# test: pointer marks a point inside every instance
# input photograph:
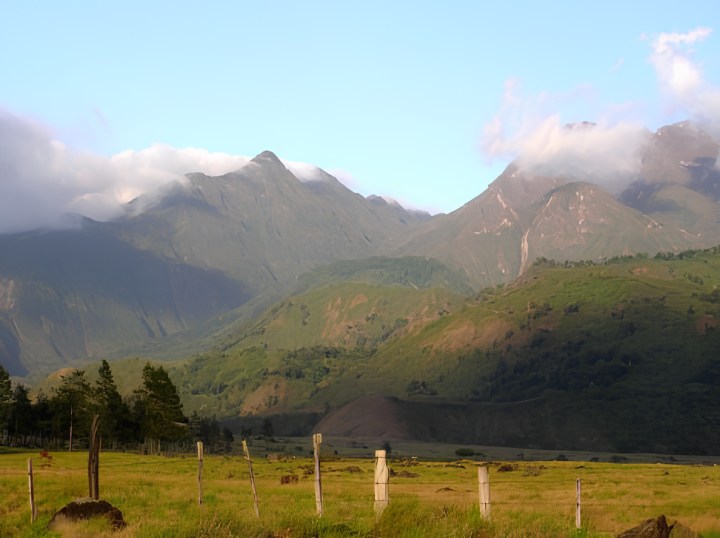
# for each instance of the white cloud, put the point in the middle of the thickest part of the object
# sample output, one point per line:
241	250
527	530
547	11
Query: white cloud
682	78
675	70
609	155
527	128
604	153
303	171
41	179
146	170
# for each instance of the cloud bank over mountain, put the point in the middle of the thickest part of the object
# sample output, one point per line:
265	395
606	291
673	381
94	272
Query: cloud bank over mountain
602	153
682	79
526	128
304	171
41	179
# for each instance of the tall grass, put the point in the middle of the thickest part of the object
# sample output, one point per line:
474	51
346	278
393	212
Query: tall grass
158	498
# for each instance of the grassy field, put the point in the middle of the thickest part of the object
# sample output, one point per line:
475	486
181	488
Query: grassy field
158	497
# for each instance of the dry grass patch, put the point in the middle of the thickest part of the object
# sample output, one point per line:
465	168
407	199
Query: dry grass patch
158	497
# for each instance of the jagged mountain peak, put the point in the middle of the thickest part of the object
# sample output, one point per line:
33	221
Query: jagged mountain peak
261	226
264	169
302	171
266	156
520	188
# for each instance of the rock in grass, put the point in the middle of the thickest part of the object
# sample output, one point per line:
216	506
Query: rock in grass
651	528
86	508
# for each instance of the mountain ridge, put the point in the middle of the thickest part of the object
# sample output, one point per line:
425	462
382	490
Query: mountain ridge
256	230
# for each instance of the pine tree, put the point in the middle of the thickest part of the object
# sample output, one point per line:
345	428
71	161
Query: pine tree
72	406
20	417
159	403
5	386
5	400
114	413
42	417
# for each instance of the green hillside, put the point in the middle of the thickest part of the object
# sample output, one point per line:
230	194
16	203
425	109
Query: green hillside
411	271
618	356
306	342
180	268
623	307
622	355
346	309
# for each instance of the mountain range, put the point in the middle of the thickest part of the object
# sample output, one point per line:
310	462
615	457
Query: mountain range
233	274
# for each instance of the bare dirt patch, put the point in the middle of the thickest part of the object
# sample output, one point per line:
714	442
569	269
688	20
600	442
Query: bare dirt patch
368	416
267	396
707	322
358	300
470	335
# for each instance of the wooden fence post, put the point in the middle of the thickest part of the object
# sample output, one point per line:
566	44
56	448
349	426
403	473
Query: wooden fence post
94	460
578	503
382	479
317	441
252	477
200	470
484	490
31	491
71	429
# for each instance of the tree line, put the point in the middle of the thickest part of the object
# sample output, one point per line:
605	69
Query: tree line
150	419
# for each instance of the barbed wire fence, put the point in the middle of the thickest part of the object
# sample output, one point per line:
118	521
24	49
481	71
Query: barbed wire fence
494	487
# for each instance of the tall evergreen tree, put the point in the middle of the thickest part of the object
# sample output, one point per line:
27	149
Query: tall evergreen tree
208	431
5	386
114	413
20	419
72	407
159	404
42	417
5	401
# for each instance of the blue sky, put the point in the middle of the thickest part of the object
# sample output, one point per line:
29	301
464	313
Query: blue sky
425	102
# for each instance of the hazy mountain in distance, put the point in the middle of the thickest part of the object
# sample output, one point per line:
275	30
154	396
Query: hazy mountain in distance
483	238
205	247
680	184
671	206
209	251
262	225
72	294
